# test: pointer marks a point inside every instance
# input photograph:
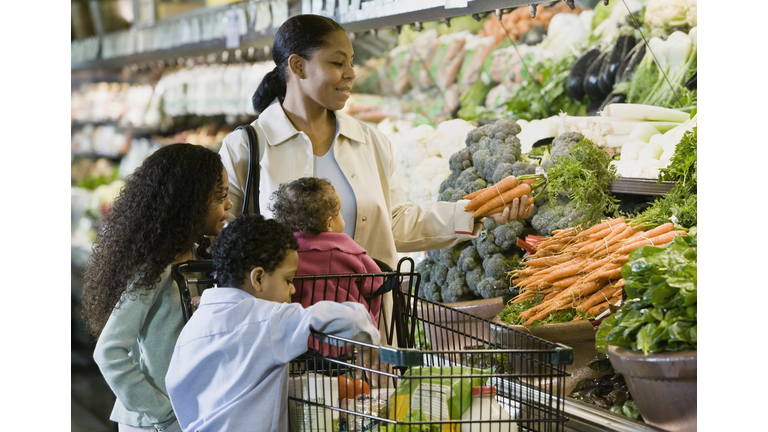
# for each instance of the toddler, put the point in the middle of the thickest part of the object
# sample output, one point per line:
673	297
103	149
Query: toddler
311	208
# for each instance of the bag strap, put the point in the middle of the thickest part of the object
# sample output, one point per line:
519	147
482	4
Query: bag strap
252	181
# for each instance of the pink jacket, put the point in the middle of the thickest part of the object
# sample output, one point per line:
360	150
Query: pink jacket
336	254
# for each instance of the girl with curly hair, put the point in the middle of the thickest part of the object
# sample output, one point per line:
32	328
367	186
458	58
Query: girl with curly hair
170	203
311	208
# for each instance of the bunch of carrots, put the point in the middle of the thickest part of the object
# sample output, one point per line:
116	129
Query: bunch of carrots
581	269
495	198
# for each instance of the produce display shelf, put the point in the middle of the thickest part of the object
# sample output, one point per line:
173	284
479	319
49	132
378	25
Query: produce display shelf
641	186
353	15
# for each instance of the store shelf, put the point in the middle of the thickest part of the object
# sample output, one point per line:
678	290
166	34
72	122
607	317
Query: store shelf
354	15
641	186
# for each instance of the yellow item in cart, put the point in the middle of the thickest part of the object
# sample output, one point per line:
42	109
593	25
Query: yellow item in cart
441	393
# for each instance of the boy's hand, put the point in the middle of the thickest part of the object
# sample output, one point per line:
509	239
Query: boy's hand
369	359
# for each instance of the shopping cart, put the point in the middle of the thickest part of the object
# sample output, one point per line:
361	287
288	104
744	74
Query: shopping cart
468	374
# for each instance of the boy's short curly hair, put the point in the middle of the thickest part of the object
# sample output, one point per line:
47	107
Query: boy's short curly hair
305	205
248	242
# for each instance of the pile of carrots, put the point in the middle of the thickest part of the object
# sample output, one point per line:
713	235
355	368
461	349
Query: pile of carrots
581	269
495	198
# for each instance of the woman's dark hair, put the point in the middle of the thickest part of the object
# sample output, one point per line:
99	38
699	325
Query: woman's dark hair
305	205
301	35
248	242
158	216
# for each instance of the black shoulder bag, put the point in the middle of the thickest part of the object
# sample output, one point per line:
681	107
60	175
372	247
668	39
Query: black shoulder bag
252	181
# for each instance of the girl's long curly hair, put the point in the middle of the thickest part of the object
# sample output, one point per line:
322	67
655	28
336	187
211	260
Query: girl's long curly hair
158	216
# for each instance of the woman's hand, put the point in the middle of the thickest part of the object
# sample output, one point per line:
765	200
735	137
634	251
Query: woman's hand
514	211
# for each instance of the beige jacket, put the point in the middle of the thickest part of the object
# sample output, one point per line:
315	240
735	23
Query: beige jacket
386	222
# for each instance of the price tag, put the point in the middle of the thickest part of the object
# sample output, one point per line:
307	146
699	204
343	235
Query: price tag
232	29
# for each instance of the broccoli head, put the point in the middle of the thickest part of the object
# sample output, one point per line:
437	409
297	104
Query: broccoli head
470	181
507	146
498	265
502	170
473	278
433	255
430	291
485	244
557	214
424	268
449	182
456	289
446	195
561	147
505	236
460	161
492	164
503	128
450	256
523	168
475	135
482	144
439	274
490	288
469	259
457	195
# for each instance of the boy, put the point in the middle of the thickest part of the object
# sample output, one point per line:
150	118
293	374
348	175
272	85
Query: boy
229	369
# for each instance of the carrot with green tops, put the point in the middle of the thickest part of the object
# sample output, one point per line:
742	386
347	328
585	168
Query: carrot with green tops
503	185
505	197
659	240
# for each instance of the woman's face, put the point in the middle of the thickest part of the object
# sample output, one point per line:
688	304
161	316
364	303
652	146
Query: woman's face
329	75
218	210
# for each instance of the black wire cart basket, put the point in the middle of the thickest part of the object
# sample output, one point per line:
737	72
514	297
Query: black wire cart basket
442	370
438	369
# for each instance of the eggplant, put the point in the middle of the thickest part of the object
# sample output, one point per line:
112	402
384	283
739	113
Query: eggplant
575	85
604	82
609	71
591	78
613	98
691	83
630	61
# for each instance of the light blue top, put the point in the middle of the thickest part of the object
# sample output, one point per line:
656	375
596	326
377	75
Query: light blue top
327	167
134	350
229	370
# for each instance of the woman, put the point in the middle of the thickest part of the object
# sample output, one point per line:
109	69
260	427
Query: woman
302	133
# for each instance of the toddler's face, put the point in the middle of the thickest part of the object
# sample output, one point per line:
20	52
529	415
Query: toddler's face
278	286
336	223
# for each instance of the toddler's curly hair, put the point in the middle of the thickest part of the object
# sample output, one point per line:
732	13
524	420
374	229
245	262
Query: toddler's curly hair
248	242
305	205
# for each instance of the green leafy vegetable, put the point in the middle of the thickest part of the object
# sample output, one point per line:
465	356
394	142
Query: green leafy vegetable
584	177
681	201
659	314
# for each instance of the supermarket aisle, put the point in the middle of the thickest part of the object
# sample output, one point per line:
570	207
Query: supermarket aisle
92	399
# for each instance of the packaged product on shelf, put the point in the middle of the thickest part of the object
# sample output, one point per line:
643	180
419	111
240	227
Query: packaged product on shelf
422	49
477	51
446	62
394	76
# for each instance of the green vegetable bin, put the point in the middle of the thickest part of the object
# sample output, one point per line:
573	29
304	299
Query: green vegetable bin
663	385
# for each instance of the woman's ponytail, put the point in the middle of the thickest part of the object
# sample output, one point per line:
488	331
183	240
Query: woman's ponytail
272	86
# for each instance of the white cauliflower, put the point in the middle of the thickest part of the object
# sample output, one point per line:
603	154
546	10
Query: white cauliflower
410	151
665	13
426	179
454	135
690	13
